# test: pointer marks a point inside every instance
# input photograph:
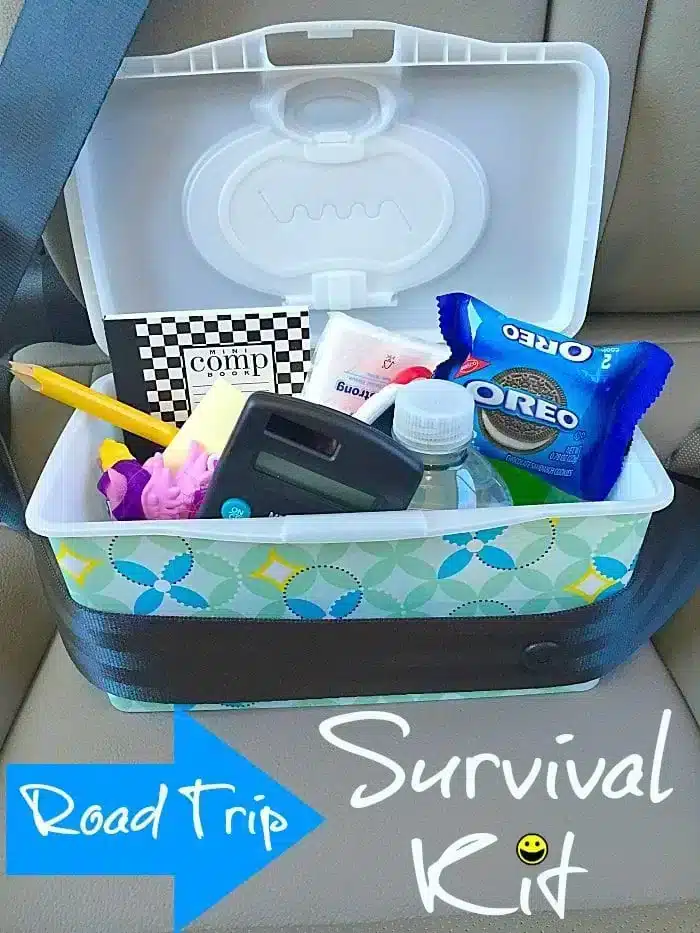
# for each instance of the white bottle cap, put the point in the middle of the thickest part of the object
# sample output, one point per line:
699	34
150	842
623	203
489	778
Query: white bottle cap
432	416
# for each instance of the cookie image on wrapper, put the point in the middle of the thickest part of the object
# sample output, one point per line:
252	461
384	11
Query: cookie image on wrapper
512	433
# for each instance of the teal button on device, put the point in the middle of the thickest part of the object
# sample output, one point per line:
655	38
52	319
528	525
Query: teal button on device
235	508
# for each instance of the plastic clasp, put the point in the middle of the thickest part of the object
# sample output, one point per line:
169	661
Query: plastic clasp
340	291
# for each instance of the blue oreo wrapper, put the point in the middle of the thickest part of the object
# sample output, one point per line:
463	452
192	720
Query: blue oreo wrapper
561	409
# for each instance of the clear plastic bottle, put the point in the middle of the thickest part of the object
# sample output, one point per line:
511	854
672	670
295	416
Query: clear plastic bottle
435	419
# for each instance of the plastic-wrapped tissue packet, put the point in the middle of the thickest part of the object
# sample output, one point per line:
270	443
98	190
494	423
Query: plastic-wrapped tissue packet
354	360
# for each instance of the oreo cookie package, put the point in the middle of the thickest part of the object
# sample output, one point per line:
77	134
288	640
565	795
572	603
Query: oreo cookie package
545	402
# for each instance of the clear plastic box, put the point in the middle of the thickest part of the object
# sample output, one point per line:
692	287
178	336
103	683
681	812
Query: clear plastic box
213	178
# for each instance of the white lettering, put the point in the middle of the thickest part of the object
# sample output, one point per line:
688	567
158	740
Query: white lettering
428	880
443	777
228	818
31	794
622	779
512	400
92	820
359	799
150	816
562	872
431	890
635	765
472	766
194	795
485	393
570	350
519	790
575	352
272	822
546	345
567	419
117	822
546	411
521	401
656	795
583	791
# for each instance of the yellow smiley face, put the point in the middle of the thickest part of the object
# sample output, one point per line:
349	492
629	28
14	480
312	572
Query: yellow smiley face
532	849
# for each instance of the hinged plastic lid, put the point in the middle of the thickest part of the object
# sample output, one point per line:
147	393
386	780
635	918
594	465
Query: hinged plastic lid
213	178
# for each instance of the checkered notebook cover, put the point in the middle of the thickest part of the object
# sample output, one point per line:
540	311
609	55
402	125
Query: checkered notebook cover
164	364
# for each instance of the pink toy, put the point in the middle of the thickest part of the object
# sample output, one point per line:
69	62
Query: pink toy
177	494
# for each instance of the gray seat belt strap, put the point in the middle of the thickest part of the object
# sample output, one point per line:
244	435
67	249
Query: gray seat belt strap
54	75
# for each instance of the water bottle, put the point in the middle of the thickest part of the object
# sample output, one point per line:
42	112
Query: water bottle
435	419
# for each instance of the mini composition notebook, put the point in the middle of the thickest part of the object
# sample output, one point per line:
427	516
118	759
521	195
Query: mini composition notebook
164	363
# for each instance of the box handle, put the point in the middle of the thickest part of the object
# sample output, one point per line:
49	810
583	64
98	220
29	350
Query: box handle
330	43
407	45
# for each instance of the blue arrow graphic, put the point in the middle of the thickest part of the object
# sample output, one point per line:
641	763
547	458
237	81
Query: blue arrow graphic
211	819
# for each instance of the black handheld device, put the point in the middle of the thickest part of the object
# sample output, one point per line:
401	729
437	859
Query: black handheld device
287	456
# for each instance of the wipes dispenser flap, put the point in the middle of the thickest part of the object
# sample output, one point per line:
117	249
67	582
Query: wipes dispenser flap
214	178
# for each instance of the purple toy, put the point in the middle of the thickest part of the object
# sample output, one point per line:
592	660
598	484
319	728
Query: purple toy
122	485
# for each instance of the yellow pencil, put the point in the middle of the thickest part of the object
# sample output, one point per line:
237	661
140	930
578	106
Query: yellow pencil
64	390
